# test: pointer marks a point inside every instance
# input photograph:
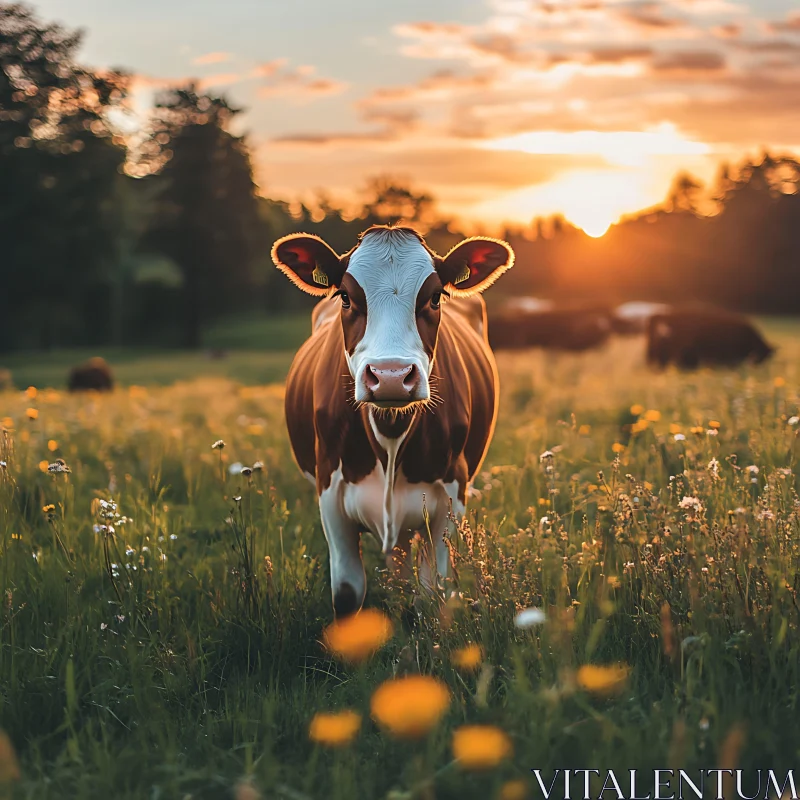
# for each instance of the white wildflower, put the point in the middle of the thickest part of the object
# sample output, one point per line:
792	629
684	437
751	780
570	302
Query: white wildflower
693	504
679	437
218	445
713	468
235	468
794	420
548	454
530	617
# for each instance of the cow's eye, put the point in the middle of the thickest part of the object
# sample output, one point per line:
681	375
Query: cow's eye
345	298
436	299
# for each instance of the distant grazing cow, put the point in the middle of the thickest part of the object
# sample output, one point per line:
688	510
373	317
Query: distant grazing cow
690	339
391	403
93	375
631	318
571	329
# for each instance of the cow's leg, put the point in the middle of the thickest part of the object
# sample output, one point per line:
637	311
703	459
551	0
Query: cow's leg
348	581
433	556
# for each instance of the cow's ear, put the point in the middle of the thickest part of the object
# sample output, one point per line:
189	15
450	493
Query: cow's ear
475	264
308	262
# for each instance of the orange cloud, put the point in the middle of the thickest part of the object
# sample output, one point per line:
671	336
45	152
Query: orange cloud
212	58
689	61
790	25
218	80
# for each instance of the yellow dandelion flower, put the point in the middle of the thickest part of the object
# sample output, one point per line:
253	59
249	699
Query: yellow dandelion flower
409	707
336	729
639	426
714	424
652	415
360	636
779	382
52	445
468	658
603	680
592	487
637	409
481	746
698	430
513	790
31	392
617	447
43	465
48	508
255	429
584	430
8	422
33	413
674	428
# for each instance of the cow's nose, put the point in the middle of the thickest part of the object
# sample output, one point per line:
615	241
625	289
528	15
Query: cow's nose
392	381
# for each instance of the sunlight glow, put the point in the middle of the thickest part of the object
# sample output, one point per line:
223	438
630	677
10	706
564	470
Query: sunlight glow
591	199
621	148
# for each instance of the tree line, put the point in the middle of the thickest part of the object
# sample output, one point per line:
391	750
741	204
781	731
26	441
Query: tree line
104	242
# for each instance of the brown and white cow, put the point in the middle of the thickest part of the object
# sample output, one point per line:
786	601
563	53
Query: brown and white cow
391	403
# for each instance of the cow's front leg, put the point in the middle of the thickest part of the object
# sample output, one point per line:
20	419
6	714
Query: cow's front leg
348	581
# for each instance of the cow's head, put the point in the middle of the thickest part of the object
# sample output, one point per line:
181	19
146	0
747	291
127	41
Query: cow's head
391	286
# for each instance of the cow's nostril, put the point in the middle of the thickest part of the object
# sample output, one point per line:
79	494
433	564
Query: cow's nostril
411	379
370	378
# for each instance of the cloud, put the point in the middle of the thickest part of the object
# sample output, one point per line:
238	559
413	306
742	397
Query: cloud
219	80
689	61
730	30
299	84
216	57
650	15
790	25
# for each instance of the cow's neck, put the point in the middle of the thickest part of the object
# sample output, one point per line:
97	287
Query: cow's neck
390	431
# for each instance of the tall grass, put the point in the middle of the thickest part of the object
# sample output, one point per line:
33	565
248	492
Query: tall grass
179	654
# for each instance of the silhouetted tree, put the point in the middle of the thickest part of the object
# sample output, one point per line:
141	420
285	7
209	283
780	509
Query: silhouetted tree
208	221
389	201
59	163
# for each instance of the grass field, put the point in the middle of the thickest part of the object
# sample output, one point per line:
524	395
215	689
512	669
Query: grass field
181	656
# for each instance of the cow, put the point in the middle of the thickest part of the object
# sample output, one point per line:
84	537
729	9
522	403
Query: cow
692	338
631	318
391	403
93	375
571	329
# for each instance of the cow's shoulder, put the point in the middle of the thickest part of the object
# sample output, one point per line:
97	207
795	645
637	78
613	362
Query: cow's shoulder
325	311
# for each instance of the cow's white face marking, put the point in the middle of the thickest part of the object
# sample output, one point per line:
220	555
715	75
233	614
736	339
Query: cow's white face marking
390	266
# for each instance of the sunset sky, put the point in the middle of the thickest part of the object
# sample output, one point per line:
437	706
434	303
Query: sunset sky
501	108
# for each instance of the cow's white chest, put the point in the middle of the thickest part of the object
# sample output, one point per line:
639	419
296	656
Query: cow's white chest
364	504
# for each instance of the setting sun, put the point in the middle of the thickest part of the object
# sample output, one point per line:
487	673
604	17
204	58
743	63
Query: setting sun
591	199
638	175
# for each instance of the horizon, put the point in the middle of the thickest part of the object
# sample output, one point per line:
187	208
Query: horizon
504	110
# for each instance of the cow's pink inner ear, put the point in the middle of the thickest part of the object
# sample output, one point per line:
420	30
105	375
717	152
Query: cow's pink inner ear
300	256
475	264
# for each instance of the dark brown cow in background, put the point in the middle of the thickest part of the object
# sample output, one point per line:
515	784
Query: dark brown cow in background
571	329
693	338
93	375
391	403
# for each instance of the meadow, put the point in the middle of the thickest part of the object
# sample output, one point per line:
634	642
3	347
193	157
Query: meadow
653	519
